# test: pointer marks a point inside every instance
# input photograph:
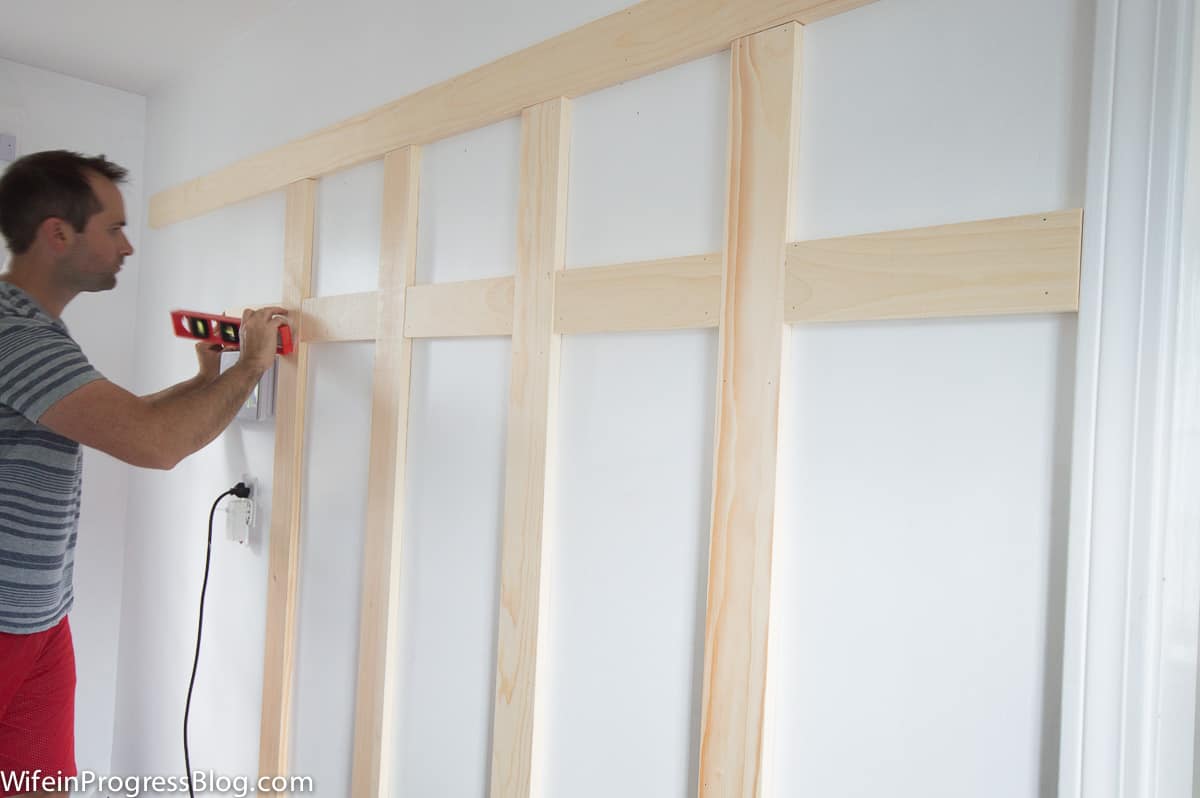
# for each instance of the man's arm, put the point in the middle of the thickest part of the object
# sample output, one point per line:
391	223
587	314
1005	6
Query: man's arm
178	389
160	433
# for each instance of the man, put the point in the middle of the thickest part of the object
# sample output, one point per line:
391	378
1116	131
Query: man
63	219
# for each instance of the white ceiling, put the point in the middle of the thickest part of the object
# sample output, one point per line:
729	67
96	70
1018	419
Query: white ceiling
135	45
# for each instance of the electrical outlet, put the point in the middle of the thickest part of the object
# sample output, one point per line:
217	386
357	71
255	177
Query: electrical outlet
240	520
240	515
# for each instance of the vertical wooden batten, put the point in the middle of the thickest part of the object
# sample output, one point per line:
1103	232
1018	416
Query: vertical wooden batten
292	389
377	649
541	244
763	129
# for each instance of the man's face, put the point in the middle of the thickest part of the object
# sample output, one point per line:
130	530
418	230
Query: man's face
96	255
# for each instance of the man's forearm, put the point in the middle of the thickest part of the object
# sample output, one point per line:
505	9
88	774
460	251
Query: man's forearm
195	417
178	389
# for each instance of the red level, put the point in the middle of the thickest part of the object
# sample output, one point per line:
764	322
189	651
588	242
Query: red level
221	330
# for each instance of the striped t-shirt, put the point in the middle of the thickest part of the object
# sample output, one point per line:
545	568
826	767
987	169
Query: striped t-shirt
39	470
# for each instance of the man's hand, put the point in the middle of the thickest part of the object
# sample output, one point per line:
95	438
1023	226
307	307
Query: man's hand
260	336
209	355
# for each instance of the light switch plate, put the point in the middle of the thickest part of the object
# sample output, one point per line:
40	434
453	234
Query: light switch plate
8	148
260	405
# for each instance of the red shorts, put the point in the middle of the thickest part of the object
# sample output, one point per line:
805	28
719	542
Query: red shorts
37	704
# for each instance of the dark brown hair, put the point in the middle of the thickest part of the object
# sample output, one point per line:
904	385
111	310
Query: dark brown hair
51	184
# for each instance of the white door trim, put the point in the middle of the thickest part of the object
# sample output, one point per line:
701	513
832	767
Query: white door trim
1133	370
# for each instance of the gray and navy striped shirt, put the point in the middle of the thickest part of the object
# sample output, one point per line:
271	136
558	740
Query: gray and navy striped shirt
39	470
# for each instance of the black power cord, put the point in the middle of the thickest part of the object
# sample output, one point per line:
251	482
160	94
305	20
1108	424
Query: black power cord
242	491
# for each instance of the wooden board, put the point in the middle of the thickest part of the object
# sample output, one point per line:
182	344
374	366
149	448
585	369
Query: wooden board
378	646
1023	264
541	250
672	294
643	39
455	310
343	317
284	543
763	129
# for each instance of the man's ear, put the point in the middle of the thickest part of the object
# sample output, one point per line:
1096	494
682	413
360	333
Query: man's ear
56	234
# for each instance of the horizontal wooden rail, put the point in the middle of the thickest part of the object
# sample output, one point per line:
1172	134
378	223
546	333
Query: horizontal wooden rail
638	41
677	293
455	310
344	317
1025	264
1020	264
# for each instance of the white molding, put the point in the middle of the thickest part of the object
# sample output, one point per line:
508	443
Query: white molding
1125	403
1179	656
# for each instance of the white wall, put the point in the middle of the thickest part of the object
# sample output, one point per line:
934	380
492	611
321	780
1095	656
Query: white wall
920	560
50	111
